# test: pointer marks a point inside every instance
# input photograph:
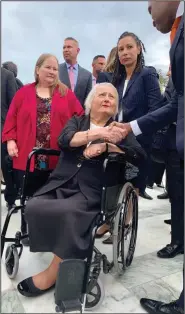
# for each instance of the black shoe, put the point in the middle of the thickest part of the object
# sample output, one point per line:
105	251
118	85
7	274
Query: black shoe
108	240
11	206
145	195
167	221
163	196
156	307
28	289
149	187
170	251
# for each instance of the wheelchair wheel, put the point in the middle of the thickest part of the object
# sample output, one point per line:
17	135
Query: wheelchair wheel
125	228
95	297
11	261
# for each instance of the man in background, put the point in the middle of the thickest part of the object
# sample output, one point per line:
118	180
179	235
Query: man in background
8	90
9	65
78	79
98	65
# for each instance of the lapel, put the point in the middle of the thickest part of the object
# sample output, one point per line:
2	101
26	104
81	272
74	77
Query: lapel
120	89
32	105
79	78
64	77
131	81
176	39
86	123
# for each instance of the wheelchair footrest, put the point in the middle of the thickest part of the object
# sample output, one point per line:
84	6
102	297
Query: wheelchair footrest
69	286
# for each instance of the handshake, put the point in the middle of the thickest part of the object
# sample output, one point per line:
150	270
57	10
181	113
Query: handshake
116	132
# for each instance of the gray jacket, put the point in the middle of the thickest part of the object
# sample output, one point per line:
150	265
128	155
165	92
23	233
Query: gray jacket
83	84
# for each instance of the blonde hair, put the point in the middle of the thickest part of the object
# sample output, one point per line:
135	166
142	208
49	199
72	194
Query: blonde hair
110	65
92	94
62	88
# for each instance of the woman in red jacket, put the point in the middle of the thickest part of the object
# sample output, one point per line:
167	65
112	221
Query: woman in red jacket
36	117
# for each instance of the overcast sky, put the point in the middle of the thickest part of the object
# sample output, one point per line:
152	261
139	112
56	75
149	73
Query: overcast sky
32	28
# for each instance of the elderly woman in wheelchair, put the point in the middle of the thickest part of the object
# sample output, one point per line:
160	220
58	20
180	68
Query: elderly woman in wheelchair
62	214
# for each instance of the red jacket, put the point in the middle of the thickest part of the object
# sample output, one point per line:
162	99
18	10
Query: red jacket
20	123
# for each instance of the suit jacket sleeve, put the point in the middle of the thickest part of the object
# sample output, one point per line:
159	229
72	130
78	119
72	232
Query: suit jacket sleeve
74	104
89	86
152	89
10	126
134	153
102	78
68	132
161	117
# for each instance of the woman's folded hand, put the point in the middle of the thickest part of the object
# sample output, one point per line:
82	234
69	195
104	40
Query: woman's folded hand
94	150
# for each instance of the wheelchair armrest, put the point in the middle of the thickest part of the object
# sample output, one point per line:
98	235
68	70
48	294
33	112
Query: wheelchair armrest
114	157
41	151
45	151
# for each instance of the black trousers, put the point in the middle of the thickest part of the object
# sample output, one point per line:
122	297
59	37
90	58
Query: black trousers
175	179
155	173
11	190
144	169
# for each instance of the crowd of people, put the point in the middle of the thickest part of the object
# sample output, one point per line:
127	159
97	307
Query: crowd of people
119	107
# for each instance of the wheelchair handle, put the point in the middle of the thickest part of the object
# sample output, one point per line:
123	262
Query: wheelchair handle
40	151
114	157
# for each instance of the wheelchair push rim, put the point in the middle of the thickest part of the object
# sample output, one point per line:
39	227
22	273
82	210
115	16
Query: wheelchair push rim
121	259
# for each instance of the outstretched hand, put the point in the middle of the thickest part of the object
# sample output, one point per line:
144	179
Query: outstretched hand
125	127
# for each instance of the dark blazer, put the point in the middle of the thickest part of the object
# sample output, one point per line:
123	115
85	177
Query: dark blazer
173	111
8	90
83	84
142	95
90	172
19	83
21	119
169	90
104	77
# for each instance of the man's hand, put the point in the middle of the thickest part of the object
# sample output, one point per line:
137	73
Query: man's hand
126	128
94	150
112	135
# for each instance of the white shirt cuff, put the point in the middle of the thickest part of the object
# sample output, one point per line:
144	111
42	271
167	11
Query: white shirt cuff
135	128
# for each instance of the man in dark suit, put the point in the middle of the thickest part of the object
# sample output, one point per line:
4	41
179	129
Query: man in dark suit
72	74
98	66
8	90
163	15
9	65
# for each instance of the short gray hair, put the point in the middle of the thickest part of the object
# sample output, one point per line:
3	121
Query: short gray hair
91	95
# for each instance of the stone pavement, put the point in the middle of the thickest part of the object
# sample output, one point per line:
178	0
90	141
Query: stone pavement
148	275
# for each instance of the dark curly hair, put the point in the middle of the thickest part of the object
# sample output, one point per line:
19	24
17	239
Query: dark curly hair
120	71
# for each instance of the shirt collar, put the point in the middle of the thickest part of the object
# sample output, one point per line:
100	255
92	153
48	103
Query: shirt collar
75	66
180	10
93	78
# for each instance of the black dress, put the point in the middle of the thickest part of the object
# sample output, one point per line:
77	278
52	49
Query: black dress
62	213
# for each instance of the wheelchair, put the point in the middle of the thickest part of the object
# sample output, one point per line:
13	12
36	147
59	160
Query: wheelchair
78	285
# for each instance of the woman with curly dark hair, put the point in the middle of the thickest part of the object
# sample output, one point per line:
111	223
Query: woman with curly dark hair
139	93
